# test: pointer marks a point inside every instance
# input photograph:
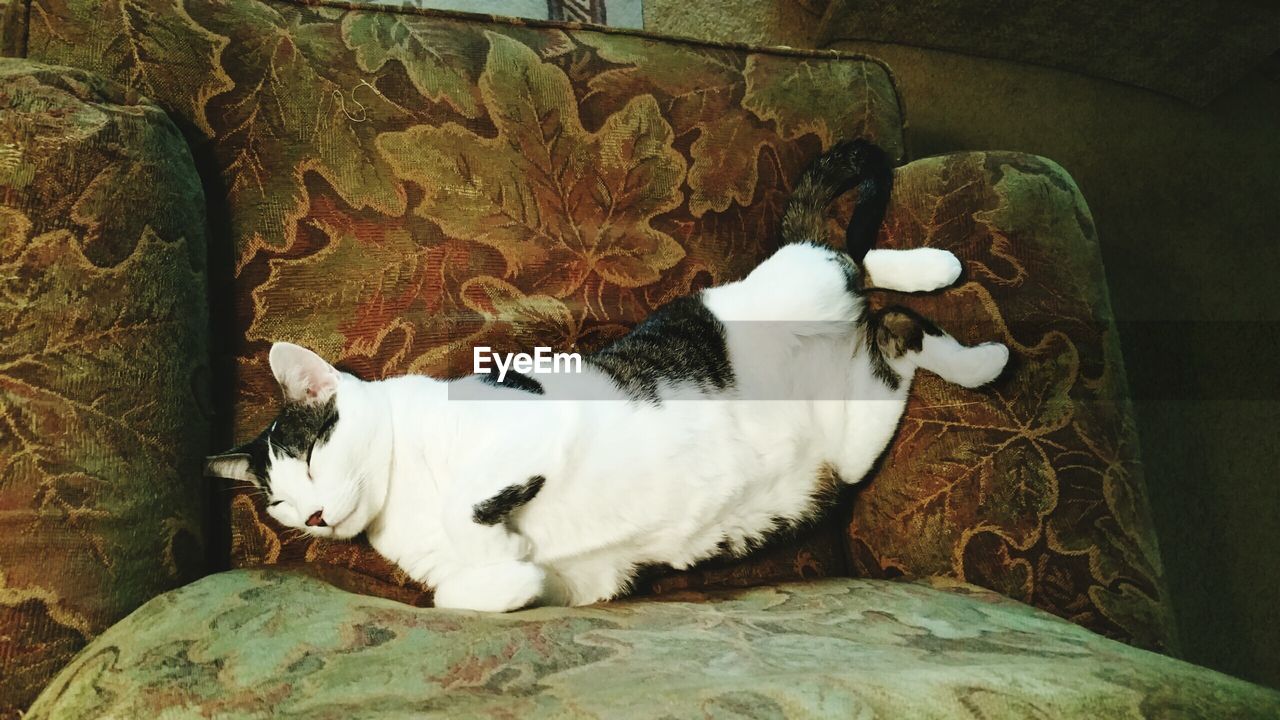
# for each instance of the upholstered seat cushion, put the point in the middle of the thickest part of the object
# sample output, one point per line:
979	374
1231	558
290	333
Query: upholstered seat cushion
249	643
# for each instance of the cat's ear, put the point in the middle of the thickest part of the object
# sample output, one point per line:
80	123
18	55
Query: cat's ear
232	464
303	375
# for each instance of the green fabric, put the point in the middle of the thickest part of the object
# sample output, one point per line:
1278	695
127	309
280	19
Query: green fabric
250	643
103	366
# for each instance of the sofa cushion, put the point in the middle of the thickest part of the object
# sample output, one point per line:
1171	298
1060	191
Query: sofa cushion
103	365
399	185
1032	486
256	643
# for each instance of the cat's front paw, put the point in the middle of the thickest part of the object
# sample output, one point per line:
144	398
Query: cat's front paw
500	587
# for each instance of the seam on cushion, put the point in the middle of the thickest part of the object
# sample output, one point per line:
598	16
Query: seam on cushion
903	124
825	41
589	27
26	27
17	12
1172	640
897	93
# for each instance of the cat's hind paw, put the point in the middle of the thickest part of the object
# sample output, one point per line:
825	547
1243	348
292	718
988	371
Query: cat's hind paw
915	270
978	365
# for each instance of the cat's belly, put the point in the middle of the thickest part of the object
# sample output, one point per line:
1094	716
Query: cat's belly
678	485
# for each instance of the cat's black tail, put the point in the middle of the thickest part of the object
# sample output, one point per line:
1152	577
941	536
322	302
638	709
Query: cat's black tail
848	164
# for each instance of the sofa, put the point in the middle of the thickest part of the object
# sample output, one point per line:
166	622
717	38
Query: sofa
184	183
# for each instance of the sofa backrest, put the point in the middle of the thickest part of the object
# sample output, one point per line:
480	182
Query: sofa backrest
391	187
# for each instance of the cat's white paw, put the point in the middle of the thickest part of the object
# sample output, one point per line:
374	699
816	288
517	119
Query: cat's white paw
914	270
500	587
983	363
949	268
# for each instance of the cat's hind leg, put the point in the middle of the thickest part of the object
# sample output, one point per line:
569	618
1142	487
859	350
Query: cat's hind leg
902	341
914	270
586	580
899	342
798	283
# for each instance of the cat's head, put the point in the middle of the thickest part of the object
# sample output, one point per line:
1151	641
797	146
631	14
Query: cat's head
321	463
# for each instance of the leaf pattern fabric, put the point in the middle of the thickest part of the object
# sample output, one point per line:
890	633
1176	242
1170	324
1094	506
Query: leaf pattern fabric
103	365
261	643
1031	487
398	186
526	191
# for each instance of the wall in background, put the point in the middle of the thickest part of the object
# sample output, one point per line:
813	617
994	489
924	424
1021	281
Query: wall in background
1187	204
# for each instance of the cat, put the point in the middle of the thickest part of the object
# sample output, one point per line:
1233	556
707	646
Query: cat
708	427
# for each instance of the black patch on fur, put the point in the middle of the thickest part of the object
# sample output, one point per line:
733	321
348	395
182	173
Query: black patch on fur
681	341
848	164
822	496
892	333
260	459
323	434
295	432
299	426
499	507
852	273
513	380
828	496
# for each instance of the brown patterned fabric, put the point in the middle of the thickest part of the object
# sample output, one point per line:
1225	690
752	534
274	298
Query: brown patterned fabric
103	365
400	185
1032	487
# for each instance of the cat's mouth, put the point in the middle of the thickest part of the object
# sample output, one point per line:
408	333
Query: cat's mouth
332	528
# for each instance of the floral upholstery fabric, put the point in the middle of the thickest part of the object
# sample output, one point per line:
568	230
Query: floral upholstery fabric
103	365
1033	486
261	643
399	186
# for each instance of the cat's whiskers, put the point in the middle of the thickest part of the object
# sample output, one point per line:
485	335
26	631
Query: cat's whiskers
291	534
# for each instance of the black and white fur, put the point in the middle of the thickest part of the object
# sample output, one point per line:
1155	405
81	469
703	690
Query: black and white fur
721	414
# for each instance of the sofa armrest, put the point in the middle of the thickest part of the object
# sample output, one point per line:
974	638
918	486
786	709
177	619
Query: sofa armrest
103	365
1032	486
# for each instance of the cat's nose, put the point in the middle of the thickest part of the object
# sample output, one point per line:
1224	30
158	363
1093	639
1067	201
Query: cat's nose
317	519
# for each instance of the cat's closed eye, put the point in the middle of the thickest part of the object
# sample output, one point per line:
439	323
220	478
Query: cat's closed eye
322	433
